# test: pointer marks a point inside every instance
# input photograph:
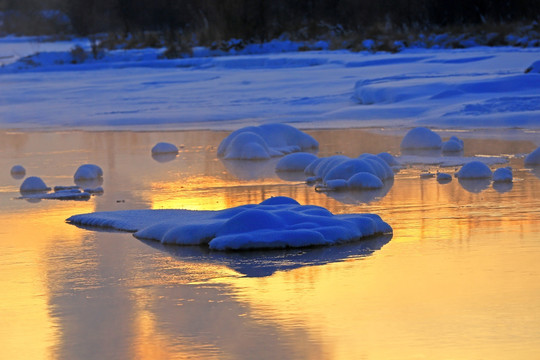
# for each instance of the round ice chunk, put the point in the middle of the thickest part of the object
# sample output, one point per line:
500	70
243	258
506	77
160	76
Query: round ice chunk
474	170
421	138
364	180
88	172
164	148
503	175
533	159
295	162
18	172
33	184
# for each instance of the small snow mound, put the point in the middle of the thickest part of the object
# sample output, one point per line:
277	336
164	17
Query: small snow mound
503	175
88	172
33	184
364	180
453	145
534	68
18	169
164	148
533	159
444	178
265	141
18	172
421	138
295	162
474	170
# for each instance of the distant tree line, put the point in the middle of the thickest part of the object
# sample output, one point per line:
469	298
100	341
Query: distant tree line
254	20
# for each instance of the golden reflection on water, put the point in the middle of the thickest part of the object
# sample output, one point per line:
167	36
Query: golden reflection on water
28	330
459	279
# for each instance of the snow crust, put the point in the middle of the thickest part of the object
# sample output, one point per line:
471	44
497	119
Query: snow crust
460	88
275	223
265	141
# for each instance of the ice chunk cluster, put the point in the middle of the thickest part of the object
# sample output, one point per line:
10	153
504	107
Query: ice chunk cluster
421	138
340	172
265	141
275	223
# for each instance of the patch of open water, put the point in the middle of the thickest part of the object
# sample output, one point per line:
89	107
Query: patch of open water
458	279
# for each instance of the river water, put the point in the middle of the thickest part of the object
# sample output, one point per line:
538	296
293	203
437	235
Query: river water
459	278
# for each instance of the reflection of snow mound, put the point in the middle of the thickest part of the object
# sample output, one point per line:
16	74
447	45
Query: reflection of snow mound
265	141
87	172
276	223
533	159
164	148
474	185
503	175
474	170
421	138
33	184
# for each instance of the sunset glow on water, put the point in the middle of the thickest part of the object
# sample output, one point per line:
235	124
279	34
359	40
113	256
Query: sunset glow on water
458	279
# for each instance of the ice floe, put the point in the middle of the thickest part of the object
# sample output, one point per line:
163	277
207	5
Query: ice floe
265	141
275	223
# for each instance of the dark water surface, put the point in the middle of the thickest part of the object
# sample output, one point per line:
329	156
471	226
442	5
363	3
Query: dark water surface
459	279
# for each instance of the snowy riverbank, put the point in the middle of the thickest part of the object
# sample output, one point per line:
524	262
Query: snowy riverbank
479	87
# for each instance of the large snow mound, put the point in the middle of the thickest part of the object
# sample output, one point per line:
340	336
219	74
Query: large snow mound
265	141
533	159
33	184
474	170
275	223
88	172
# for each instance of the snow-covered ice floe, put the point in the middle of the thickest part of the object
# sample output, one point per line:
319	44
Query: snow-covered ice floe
275	223
265	141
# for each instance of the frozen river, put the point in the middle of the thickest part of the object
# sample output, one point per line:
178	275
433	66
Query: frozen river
458	279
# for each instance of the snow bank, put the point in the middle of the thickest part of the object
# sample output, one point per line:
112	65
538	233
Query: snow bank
275	223
33	184
474	170
164	148
533	159
265	141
